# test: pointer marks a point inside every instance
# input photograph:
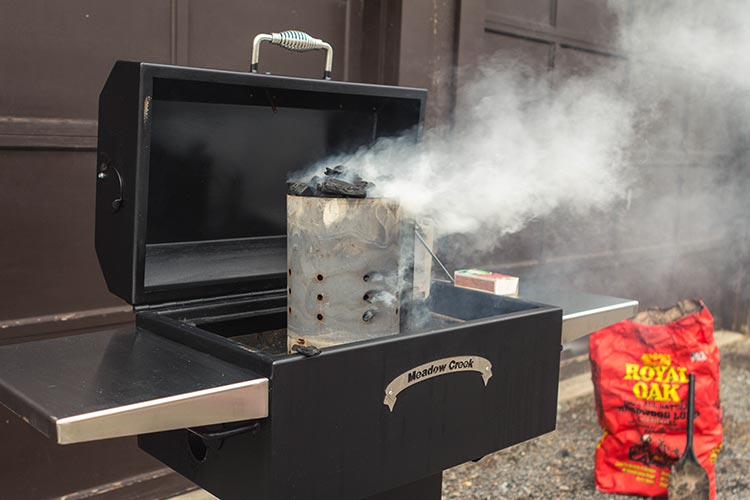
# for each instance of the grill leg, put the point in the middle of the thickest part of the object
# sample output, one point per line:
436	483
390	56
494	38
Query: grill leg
429	488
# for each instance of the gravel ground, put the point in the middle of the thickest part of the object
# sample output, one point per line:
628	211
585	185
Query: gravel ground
560	465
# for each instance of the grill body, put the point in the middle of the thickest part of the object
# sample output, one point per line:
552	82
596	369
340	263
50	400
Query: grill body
329	433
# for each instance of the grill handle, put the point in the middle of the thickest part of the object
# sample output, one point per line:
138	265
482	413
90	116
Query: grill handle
296	41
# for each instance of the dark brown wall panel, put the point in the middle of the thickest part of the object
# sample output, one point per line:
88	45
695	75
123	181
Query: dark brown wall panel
33	469
664	121
380	41
588	20
535	11
571	233
708	207
530	53
520	247
427	56
648	216
580	63
55	56
715	126
48	261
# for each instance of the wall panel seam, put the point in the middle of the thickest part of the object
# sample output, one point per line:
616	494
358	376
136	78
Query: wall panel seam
505	25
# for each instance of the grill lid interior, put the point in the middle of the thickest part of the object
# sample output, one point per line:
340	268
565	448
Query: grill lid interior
200	160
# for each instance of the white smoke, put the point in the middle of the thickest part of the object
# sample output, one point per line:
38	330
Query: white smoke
526	147
699	38
522	148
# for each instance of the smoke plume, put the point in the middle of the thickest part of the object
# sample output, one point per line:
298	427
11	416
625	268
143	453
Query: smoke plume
526	145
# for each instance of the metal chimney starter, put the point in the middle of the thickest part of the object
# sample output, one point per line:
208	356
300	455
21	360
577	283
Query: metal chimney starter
344	278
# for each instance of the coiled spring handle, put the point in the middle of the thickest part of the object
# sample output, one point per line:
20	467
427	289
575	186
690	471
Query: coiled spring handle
296	41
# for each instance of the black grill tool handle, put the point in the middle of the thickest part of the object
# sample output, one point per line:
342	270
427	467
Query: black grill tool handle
688	480
296	41
691	417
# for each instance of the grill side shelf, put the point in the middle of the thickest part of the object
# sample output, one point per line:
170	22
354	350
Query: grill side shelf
583	313
123	382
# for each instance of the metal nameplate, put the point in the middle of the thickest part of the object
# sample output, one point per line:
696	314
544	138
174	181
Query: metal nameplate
444	366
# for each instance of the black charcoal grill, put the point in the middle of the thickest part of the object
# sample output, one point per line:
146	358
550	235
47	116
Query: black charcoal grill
191	230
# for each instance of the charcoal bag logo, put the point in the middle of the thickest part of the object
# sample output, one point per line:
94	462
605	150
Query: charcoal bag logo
656	378
435	368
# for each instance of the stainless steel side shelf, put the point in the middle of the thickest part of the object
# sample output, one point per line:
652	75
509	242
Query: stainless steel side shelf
121	383
583	313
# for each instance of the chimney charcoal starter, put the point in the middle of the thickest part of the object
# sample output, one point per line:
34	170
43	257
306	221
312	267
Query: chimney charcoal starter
344	280
191	229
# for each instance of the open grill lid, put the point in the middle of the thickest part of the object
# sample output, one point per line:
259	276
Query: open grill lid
192	169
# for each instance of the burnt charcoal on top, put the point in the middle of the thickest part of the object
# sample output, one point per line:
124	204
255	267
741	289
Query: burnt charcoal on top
336	182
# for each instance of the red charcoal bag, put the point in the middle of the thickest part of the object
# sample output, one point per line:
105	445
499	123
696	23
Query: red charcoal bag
640	374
